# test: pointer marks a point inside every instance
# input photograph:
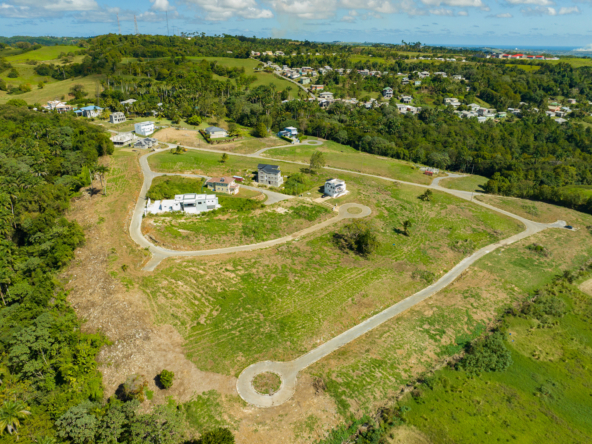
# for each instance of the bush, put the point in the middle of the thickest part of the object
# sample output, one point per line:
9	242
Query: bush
487	355
170	187
217	436
194	120
166	378
358	237
297	184
260	130
13	74
17	102
133	388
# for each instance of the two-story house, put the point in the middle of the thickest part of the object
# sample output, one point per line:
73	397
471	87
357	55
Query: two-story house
225	185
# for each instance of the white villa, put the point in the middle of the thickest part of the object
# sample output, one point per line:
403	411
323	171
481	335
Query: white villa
269	175
144	128
289	131
117	117
335	188
188	203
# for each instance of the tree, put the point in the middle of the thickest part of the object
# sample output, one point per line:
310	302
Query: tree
78	424
358	237
166	377
77	91
178	150
133	388
260	130
217	436
406	225
232	128
317	161
427	196
224	158
11	414
194	120
40	85
102	170
163	426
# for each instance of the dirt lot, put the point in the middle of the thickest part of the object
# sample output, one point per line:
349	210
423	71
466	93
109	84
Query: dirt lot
194	139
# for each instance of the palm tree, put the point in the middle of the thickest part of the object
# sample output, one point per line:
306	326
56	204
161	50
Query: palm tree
102	170
10	415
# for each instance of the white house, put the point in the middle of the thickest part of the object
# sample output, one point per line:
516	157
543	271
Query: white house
387	92
128	102
58	106
289	131
144	128
335	187
89	111
215	133
269	175
188	203
122	139
117	117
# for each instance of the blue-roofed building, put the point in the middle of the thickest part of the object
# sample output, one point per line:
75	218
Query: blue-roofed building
89	111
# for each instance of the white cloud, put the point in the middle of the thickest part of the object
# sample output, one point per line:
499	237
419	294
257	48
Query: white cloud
306	9
457	3
503	15
160	5
44	8
442	11
531	2
546	10
585	48
225	9
463	13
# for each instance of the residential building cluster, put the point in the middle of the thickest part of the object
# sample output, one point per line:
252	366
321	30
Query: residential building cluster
188	203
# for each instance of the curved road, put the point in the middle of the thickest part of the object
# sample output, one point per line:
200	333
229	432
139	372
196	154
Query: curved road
160	253
288	371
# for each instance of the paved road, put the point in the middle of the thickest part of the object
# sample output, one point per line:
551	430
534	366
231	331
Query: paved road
160	253
288	371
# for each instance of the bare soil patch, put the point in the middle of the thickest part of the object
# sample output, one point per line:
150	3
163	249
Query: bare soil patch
407	435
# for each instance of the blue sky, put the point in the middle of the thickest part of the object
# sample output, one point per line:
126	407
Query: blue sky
479	22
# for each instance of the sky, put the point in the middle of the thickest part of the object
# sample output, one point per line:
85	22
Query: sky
446	22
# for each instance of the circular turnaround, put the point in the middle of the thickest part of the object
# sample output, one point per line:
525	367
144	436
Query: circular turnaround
267	383
311	142
252	375
354	211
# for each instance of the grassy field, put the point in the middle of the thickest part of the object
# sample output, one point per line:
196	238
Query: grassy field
280	303
342	156
263	78
240	221
42	54
467	183
51	91
544	396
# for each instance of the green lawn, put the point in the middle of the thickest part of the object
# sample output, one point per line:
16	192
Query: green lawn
544	396
51	91
42	54
346	157
467	183
263	78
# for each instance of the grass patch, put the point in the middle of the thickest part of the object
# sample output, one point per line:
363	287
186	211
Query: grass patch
164	187
51	91
43	54
544	396
267	383
467	183
346	157
206	412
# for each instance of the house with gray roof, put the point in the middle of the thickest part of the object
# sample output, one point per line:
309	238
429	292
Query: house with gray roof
214	132
269	175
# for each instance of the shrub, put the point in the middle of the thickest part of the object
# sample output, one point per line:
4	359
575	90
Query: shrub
358	237
194	120
427	196
133	388
465	246
13	74
217	436
297	184
166	378
260	130
487	355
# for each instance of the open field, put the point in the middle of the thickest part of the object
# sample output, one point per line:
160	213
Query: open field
544	396
42	54
192	138
263	78
467	183
272	318
346	157
53	90
236	223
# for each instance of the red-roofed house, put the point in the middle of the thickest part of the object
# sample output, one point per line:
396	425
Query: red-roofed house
225	185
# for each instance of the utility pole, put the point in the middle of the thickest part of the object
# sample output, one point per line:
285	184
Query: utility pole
136	24
118	25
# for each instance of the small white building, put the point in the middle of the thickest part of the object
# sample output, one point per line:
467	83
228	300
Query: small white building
335	188
215	133
144	128
289	132
188	203
122	139
117	117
